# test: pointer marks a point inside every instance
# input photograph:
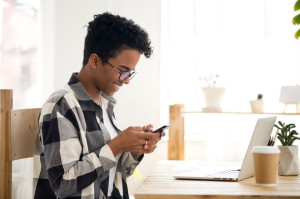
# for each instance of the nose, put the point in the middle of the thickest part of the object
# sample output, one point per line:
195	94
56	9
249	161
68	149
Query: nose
126	81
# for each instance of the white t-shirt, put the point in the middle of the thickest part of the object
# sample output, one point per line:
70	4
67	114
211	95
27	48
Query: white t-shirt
113	133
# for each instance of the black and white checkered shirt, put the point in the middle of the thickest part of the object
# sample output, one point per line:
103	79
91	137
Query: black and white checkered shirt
72	158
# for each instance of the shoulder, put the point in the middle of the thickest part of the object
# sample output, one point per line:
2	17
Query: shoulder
60	101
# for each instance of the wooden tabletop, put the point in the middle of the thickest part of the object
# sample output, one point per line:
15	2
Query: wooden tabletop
161	184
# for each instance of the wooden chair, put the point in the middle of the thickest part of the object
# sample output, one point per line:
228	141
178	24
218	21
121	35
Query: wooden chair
18	130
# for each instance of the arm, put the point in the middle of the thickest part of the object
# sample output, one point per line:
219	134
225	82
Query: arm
69	166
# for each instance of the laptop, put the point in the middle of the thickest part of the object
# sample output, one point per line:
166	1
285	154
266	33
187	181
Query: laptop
260	137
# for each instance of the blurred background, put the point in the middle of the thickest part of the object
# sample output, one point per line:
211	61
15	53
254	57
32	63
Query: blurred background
249	45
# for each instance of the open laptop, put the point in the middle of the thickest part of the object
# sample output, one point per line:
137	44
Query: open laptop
260	137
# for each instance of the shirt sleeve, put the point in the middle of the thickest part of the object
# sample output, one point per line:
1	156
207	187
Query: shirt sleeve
70	169
132	164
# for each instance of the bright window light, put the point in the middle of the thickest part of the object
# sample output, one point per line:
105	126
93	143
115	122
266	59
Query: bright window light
250	44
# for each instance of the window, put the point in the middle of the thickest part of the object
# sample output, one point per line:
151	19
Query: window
19	33
250	44
18	71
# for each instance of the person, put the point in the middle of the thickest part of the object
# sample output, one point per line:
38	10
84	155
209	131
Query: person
79	150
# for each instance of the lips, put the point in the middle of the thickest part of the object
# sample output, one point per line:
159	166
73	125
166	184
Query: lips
117	87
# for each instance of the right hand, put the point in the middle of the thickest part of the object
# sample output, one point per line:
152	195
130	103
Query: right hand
131	139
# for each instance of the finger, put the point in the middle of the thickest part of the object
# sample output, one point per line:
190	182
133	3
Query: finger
147	150
135	128
151	149
146	146
145	128
142	142
148	128
151	142
147	136
162	134
157	137
145	142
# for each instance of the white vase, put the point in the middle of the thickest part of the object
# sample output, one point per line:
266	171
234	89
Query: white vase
213	97
257	106
288	160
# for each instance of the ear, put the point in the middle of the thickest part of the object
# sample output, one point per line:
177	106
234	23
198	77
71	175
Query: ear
93	60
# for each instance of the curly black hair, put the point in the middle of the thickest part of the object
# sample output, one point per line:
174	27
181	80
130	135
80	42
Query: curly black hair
108	34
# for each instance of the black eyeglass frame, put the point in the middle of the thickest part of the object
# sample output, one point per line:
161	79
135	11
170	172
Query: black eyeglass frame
127	74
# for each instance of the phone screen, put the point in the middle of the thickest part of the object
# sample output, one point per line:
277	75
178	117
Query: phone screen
165	127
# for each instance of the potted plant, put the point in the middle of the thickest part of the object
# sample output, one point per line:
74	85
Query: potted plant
288	157
257	106
213	95
296	19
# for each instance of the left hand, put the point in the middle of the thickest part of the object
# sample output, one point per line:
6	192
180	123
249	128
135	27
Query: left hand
150	145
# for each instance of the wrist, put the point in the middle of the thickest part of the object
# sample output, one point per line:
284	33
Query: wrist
115	147
136	155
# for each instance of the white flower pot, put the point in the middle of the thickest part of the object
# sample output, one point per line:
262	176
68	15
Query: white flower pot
288	160
257	106
213	98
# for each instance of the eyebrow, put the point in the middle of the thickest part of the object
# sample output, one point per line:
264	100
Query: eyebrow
127	68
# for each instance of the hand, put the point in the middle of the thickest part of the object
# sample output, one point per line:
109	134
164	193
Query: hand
151	145
132	139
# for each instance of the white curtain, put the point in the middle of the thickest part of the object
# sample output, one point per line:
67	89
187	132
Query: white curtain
249	44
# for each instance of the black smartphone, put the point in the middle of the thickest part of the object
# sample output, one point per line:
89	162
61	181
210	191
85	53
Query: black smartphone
165	127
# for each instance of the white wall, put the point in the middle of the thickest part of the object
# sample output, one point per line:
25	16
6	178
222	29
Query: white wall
62	41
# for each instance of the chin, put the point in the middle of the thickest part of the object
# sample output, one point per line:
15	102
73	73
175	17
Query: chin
109	93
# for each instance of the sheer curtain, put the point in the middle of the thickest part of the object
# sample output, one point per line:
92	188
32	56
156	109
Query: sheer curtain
250	44
18	71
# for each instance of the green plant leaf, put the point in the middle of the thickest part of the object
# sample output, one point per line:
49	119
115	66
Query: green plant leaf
290	143
297	34
281	140
291	135
280	136
297	5
291	126
277	126
296	19
287	135
283	132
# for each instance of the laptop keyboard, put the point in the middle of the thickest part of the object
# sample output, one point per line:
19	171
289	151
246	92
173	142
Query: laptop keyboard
226	174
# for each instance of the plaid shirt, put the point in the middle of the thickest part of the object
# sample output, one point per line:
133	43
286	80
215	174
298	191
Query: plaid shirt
71	157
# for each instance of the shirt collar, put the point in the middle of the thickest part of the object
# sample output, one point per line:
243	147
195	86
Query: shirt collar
82	94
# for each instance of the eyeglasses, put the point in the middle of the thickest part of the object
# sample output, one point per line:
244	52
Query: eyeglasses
123	74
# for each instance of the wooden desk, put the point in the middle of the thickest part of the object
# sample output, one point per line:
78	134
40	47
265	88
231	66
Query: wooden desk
161	184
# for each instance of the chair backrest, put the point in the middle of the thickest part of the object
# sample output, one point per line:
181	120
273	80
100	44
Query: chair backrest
18	130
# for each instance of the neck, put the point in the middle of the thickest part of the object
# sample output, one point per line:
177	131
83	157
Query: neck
86	80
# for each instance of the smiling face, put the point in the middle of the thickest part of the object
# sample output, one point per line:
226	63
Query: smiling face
106	78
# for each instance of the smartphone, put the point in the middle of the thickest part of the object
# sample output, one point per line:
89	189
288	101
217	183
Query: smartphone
165	127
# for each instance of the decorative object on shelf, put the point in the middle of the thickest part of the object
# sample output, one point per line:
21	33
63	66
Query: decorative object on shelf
213	95
288	157
257	106
290	95
296	19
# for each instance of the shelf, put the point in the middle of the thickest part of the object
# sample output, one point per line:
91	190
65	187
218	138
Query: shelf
187	112
177	134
